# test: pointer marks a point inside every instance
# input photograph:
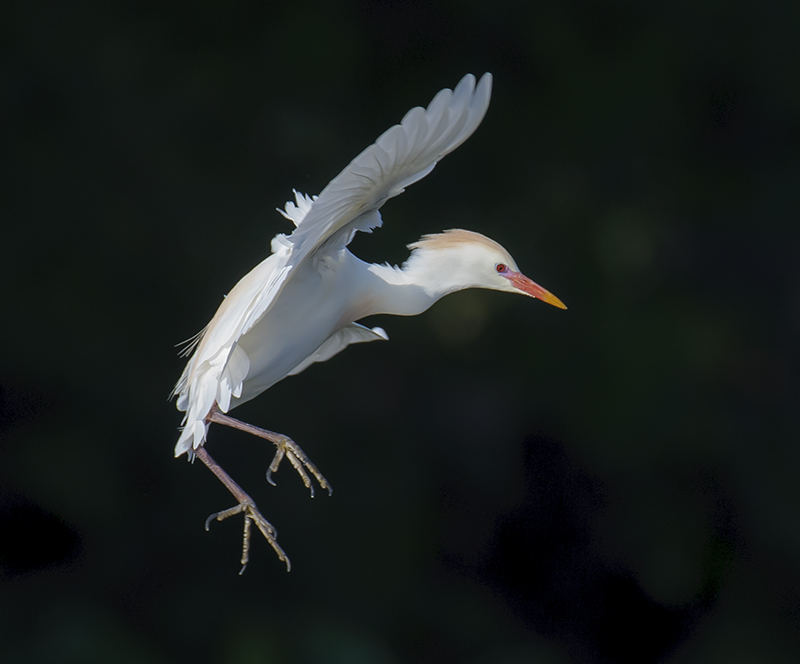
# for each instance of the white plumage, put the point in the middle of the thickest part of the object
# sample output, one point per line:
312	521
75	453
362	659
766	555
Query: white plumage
299	306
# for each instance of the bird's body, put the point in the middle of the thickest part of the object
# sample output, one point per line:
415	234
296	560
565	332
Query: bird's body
301	304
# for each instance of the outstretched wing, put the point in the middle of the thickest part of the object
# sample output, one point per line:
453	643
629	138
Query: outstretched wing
402	155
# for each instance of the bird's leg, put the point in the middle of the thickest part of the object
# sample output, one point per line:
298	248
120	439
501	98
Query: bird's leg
246	505
286	447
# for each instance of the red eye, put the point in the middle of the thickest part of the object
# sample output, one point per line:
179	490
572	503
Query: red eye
500	267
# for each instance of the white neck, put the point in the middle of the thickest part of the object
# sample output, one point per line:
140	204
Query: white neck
412	289
393	291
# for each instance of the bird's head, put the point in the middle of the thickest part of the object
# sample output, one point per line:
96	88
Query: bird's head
457	259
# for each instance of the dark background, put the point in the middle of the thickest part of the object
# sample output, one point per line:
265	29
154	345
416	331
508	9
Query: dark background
513	483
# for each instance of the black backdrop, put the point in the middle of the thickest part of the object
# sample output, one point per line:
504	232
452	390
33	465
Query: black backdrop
513	483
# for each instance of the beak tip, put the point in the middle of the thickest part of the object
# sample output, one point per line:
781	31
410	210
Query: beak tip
552	299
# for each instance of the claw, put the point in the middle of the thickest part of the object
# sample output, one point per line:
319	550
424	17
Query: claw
252	515
300	462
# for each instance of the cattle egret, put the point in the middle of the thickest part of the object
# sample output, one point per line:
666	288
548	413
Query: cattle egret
299	306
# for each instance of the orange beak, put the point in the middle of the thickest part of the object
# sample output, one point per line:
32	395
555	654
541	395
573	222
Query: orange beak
521	282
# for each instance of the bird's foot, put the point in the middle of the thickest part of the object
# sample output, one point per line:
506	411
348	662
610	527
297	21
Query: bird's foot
292	451
252	515
286	448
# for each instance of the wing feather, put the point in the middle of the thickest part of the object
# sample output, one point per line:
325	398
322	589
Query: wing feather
402	155
349	334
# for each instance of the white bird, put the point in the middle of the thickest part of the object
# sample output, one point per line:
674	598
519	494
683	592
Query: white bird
299	306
